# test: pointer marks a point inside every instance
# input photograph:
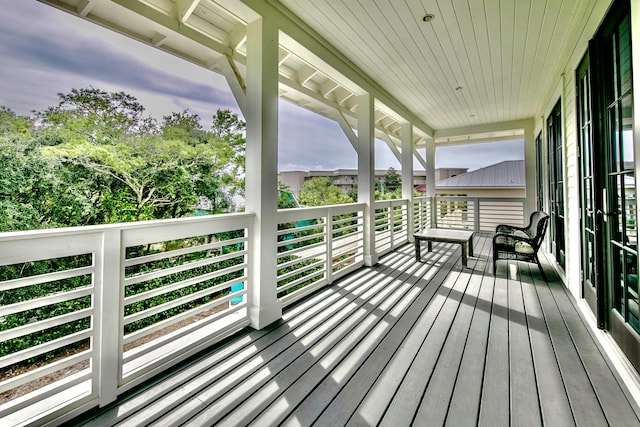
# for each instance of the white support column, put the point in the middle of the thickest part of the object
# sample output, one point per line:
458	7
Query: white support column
407	173
430	169
262	170
430	178
108	320
530	170
366	175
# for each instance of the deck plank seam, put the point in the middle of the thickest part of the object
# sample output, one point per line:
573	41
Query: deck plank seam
375	351
474	281
563	293
326	333
485	274
527	316
268	334
537	286
458	295
255	390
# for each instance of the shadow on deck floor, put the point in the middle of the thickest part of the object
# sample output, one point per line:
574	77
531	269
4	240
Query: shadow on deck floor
401	343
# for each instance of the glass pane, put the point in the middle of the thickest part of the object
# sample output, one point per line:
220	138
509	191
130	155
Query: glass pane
618	208
588	203
627	133
624	58
615	94
631	283
618	283
590	273
614	119
631	223
586	152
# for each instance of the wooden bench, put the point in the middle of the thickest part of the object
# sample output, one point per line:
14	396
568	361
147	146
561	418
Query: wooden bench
464	237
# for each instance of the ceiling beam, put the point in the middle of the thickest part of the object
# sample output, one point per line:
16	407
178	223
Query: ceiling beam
84	7
236	37
184	9
172	24
236	82
486	128
321	50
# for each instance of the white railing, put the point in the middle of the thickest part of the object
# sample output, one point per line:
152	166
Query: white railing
317	245
471	213
97	310
101	309
421	213
391	219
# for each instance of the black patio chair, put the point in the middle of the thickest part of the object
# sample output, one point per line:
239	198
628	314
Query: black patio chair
521	243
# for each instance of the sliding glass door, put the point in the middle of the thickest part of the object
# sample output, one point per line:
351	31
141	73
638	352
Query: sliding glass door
556	184
608	194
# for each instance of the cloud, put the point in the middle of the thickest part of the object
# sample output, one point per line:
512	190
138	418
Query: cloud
476	156
308	140
64	52
61	52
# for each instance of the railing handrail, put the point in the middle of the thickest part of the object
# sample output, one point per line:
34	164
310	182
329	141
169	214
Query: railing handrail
88	229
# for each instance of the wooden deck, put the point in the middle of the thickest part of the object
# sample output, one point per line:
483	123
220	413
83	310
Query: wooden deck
402	343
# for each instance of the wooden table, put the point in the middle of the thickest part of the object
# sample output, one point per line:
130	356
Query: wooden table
464	237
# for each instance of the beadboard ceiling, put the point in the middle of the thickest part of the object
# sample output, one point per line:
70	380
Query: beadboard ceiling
476	63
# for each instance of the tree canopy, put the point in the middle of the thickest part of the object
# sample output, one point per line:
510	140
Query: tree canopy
392	180
96	158
319	191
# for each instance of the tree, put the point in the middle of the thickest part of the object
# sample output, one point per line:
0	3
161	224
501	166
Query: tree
320	192
392	180
286	200
143	172
96	158
99	114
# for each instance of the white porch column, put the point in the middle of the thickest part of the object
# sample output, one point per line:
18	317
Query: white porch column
262	170
366	175
407	173
530	170
430	170
430	178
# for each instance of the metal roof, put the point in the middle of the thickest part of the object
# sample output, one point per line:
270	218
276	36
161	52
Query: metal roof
507	174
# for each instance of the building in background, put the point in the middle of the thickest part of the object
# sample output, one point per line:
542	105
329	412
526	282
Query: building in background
347	179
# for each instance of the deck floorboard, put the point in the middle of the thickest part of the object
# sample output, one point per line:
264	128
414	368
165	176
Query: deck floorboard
401	343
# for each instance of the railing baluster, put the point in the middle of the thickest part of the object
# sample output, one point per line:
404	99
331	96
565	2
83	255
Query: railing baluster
109	316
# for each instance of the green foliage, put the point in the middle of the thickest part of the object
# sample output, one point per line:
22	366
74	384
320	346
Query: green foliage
320	192
392	180
286	200
96	158
300	275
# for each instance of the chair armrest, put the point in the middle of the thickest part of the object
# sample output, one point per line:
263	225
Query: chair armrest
508	229
510	239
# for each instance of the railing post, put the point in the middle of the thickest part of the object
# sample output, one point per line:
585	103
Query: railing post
392	224
434	213
329	239
109	314
476	216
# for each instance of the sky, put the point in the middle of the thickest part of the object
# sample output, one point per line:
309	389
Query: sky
63	52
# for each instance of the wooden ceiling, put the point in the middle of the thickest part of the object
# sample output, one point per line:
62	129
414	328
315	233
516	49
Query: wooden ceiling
476	63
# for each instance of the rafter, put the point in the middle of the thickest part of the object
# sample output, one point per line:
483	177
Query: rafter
184	9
